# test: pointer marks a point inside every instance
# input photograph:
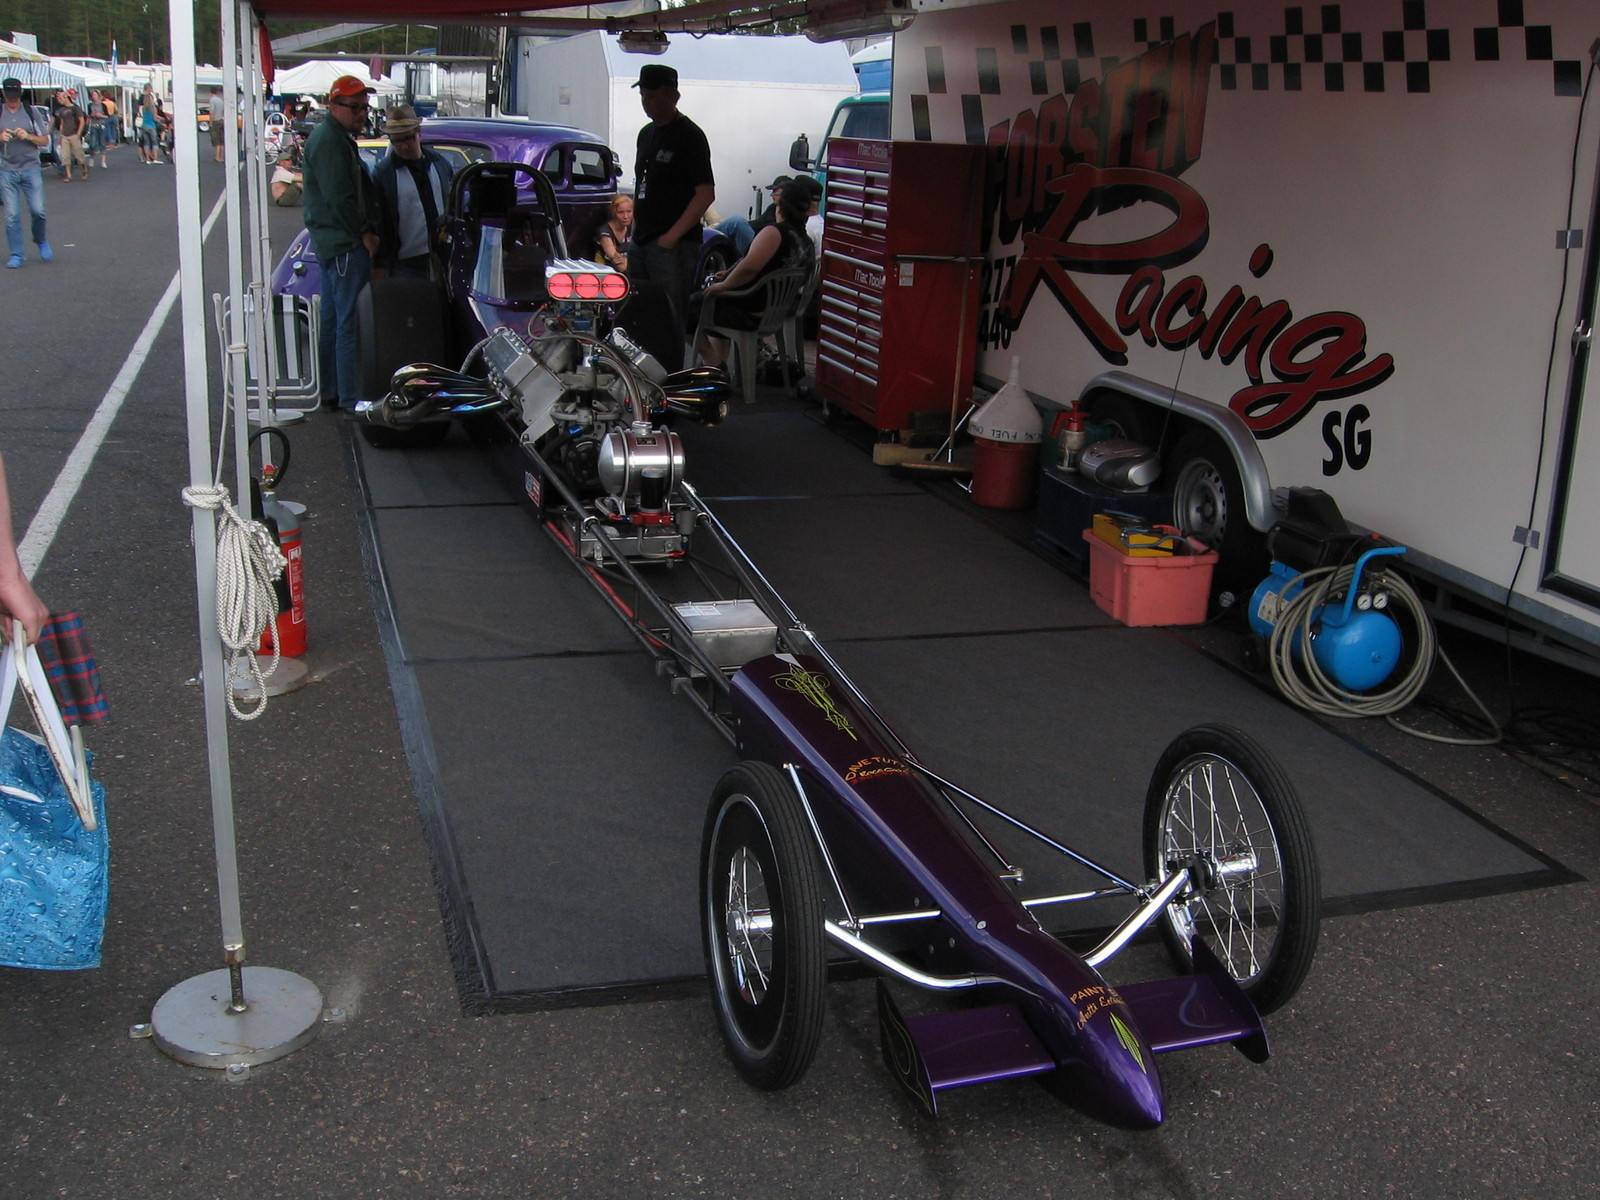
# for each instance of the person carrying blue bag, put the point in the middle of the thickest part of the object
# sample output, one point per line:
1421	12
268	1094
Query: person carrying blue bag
17	598
54	850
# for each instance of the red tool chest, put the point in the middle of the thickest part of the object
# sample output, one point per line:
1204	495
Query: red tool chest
901	266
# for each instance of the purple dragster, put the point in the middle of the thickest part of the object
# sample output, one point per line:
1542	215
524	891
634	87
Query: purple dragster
832	837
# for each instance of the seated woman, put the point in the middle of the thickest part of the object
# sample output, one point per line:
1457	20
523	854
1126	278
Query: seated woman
775	248
614	238
287	182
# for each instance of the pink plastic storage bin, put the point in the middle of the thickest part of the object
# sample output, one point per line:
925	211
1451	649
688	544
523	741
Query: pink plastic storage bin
1170	590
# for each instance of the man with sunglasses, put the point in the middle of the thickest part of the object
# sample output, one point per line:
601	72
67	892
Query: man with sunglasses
342	216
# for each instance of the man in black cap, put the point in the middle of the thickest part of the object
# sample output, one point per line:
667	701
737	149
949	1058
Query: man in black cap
22	132
673	187
741	231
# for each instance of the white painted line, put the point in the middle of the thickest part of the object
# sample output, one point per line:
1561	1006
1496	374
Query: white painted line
53	510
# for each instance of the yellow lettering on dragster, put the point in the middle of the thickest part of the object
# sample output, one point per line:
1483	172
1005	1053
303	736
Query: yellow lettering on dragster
814	687
870	768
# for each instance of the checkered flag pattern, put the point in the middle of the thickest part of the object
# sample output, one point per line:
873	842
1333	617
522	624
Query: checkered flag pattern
1292	49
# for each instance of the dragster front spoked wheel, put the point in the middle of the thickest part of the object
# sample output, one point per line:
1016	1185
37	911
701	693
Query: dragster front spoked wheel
1221	806
761	903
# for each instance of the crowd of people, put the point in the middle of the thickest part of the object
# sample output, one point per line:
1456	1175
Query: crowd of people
388	218
69	136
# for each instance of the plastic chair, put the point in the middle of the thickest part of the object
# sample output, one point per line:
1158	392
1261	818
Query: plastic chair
780	295
791	340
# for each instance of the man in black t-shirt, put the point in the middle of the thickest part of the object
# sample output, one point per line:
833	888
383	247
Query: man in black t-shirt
673	187
68	121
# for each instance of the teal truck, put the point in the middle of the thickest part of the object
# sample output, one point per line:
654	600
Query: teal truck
861	116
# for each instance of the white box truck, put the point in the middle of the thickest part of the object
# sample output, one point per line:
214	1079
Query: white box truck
1349	246
752	95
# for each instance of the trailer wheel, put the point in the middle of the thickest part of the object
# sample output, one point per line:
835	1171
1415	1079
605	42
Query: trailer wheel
761	917
1221	806
1208	503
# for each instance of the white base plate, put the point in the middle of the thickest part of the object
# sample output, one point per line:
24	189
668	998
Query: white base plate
192	1024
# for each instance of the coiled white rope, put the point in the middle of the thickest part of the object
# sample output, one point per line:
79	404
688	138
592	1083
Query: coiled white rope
249	562
1302	680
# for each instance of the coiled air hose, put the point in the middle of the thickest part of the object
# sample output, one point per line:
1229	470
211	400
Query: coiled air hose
1302	680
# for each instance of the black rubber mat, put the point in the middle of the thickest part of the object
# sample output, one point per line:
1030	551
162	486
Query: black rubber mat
563	787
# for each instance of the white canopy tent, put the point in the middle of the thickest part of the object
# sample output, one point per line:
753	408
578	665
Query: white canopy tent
87	77
32	69
40	70
314	78
12	51
38	74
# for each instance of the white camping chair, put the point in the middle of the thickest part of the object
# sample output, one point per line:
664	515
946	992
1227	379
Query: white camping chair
778	296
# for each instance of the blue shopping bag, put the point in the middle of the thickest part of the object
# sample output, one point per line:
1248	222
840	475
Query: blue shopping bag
54	852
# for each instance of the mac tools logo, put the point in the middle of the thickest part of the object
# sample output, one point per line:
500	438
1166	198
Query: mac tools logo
1122	143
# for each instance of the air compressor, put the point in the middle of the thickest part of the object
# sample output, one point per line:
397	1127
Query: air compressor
1331	619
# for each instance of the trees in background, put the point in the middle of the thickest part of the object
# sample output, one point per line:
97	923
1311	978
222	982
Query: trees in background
138	28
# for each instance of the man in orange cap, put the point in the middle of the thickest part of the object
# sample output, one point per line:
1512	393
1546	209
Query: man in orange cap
342	216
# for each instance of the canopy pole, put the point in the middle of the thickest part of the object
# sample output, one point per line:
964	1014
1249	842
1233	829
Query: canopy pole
235	1017
264	353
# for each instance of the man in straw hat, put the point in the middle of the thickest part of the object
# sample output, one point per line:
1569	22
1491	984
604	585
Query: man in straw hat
412	182
343	219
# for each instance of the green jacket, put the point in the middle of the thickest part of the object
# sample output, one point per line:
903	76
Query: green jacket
340	202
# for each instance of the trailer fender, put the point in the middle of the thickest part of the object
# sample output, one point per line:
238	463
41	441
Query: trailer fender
1220	419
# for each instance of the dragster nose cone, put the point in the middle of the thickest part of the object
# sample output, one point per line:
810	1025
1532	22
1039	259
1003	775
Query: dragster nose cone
1123	1092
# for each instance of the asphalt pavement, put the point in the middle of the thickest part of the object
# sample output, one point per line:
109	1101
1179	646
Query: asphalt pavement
1443	1050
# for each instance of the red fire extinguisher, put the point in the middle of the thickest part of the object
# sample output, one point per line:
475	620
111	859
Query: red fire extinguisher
288	628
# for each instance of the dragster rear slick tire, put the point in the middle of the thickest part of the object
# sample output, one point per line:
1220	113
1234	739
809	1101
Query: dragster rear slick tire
399	322
761	911
1221	806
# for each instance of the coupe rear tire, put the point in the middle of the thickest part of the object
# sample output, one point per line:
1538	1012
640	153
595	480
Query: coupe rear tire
398	322
717	258
1221	806
761	900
